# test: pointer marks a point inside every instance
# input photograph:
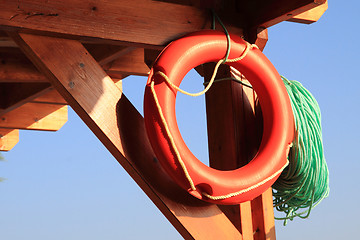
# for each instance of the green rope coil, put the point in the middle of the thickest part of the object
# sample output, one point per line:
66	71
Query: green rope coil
304	183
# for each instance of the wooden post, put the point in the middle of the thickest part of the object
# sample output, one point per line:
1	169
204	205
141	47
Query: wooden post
234	135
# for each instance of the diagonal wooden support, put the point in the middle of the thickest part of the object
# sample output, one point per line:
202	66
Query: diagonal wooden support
107	112
8	138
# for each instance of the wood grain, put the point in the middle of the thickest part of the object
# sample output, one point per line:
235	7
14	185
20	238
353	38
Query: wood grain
52	97
8	138
310	16
14	95
131	63
15	67
133	22
103	107
35	116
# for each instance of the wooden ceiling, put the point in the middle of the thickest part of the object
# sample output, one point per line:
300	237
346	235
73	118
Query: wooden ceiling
120	35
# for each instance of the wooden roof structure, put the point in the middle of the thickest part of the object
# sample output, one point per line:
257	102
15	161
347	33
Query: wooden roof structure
59	53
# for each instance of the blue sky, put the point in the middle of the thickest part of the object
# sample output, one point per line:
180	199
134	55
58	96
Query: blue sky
65	185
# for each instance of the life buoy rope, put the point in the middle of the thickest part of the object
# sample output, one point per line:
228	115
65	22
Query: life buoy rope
204	182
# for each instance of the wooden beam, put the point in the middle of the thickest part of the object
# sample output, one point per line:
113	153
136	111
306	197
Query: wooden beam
35	116
14	95
273	12
129	64
51	97
8	138
263	216
103	107
136	22
5	41
310	16
255	13
105	54
261	38
15	67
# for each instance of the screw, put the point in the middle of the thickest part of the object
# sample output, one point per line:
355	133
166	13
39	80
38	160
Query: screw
71	84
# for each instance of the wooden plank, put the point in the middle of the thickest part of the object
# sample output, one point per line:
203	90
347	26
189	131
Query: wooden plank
136	22
273	12
5	41
104	54
246	220
261	38
14	95
263	216
129	64
107	112
310	16
8	138
255	13
35	116
51	97
15	67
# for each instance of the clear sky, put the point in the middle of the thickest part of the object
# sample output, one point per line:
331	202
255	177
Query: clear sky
65	185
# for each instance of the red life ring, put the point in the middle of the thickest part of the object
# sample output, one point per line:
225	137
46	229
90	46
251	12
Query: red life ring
203	182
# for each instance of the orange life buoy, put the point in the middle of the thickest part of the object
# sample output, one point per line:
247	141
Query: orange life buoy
203	182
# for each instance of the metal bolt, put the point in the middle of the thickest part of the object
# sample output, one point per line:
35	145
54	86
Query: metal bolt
71	84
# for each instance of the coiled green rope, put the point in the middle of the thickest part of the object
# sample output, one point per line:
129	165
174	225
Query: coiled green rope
304	183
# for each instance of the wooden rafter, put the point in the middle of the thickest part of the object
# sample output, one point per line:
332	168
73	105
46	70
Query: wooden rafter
129	64
311	15
15	67
255	13
35	116
8	138
105	54
14	95
51	97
